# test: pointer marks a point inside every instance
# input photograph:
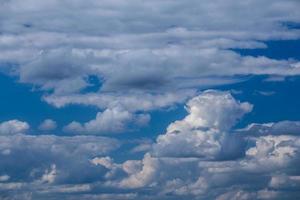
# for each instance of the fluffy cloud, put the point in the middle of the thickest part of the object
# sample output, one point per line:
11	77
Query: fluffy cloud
212	109
13	127
141	52
110	121
132	101
48	125
199	157
144	56
265	167
47	161
202	132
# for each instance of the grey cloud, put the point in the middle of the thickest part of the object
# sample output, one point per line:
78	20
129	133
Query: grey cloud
39	165
272	128
154	47
57	70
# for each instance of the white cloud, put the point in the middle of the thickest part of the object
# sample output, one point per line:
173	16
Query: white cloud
4	178
48	125
148	55
144	59
144	176
143	146
49	175
213	109
199	157
265	167
113	120
202	132
141	56
106	162
131	101
13	127
272	128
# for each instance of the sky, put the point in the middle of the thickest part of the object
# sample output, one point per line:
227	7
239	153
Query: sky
149	100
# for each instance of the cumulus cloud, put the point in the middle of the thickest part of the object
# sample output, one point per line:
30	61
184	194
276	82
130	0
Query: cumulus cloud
39	165
266	167
200	156
113	120
146	56
203	131
4	178
49	175
13	127
48	125
213	109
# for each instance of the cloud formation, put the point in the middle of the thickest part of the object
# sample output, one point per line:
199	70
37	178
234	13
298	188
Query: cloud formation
114	120
202	133
200	156
145	56
48	125
210	162
12	127
49	164
142	53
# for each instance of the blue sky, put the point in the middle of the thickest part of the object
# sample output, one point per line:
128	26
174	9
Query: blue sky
149	100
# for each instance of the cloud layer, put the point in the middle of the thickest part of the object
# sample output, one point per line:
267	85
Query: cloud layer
126	59
149	54
199	157
199	160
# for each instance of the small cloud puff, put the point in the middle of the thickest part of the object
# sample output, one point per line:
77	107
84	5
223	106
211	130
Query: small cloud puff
12	127
48	125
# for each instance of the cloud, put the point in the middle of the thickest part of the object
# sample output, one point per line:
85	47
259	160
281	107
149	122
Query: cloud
200	156
147	56
140	55
265	168
4	178
13	127
213	109
202	132
114	120
47	164
143	59
272	128
143	146
48	125
265	93
132	101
